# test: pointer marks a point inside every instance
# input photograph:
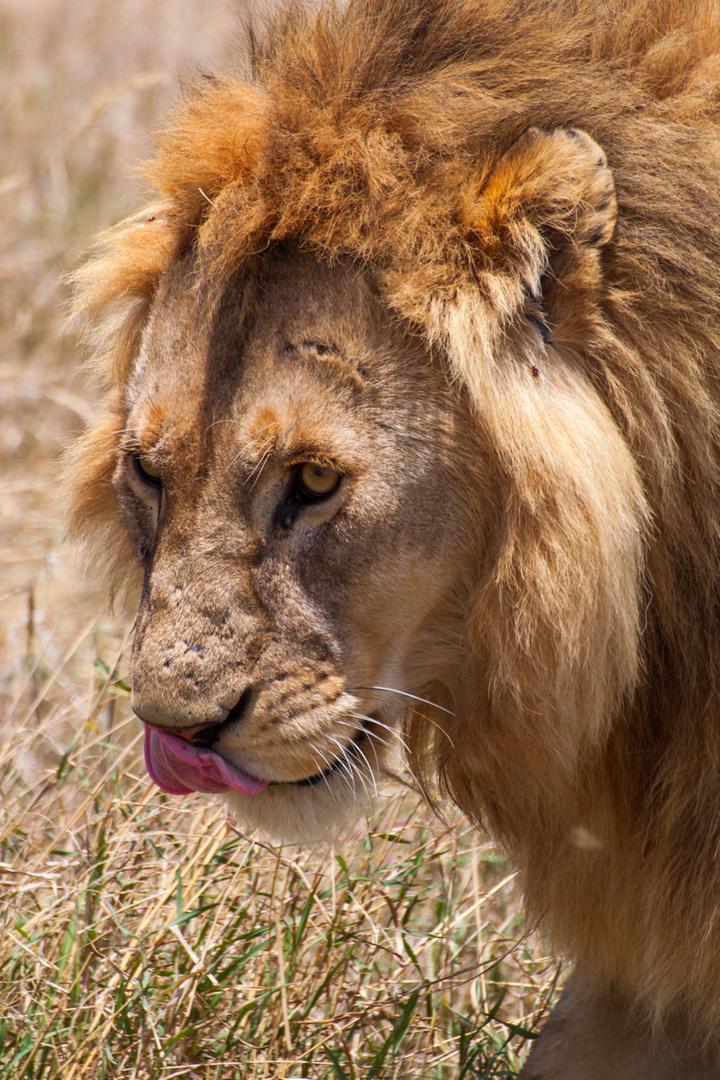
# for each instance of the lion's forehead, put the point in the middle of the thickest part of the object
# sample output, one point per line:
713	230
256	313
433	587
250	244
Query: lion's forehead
277	406
300	360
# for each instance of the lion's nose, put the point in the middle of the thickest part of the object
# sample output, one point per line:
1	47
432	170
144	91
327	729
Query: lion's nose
207	734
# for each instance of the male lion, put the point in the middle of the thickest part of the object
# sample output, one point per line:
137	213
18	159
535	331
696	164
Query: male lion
412	382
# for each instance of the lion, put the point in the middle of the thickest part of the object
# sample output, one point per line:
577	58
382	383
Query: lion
410	437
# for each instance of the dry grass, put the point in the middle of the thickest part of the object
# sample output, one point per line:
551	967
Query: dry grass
144	936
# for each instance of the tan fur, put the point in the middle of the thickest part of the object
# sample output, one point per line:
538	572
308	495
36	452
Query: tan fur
508	211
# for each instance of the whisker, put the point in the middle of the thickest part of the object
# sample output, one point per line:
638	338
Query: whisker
352	752
403	693
344	764
265	448
397	735
375	754
357	750
353	748
321	767
427	719
406	708
321	771
373	735
235	422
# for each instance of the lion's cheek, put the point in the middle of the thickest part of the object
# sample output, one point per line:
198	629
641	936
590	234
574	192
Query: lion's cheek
385	598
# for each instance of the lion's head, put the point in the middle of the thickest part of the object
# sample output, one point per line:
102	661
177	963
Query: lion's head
325	516
410	436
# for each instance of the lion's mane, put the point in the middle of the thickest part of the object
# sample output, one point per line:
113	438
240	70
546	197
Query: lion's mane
434	141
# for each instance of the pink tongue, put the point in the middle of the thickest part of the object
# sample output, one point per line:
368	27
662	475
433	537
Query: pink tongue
178	767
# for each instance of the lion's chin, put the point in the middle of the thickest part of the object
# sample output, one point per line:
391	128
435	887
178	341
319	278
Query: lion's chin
307	816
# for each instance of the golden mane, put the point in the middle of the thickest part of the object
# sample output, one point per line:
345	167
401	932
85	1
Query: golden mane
387	132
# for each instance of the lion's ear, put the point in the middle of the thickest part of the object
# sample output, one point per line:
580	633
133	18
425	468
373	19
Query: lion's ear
534	226
558	180
539	219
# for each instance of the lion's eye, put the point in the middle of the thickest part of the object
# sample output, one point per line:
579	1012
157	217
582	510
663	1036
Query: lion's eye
317	481
145	473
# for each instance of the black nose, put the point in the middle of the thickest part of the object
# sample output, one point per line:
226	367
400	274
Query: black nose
207	734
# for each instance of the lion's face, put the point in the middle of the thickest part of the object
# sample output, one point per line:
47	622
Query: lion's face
290	479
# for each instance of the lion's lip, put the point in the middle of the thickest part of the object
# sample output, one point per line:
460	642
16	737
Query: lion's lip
180	768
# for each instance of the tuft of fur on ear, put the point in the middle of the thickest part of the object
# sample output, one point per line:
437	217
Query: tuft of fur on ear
557	180
537	220
556	617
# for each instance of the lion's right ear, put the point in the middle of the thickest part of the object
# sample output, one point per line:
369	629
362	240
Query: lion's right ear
536	224
549	203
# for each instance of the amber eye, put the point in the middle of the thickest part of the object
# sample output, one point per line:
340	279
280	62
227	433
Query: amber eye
317	481
145	473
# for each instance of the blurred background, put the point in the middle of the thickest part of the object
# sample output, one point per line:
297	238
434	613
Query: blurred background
140	935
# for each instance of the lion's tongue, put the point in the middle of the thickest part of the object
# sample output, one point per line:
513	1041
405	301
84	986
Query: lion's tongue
180	768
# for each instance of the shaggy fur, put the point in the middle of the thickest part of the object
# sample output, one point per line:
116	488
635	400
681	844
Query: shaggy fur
533	187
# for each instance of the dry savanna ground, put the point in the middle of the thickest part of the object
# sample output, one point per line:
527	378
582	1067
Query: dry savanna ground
144	936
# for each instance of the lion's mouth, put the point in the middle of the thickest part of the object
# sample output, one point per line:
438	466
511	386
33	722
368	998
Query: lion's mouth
180	767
